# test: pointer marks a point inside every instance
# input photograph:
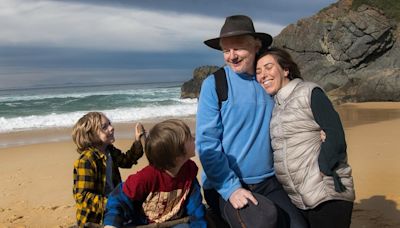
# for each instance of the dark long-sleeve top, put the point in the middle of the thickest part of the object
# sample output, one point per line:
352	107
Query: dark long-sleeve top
333	150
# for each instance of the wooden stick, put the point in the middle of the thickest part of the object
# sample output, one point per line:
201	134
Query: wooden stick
151	225
163	224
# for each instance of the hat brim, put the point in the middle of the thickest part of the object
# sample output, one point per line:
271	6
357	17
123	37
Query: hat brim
265	38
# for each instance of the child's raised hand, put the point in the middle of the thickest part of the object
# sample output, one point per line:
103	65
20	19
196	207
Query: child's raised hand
139	131
140	134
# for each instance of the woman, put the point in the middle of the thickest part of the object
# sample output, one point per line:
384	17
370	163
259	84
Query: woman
314	173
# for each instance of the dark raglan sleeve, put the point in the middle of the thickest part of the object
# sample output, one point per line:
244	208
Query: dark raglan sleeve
128	159
333	150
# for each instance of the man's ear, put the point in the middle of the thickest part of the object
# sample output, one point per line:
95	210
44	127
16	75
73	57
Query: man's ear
258	45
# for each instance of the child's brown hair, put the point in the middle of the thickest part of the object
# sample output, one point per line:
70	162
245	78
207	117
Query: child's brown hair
165	142
85	132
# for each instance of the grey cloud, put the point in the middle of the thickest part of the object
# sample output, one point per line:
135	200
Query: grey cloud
280	12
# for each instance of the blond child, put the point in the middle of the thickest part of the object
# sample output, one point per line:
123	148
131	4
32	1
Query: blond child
96	170
166	189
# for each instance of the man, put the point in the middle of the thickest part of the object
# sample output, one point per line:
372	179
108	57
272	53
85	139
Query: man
233	140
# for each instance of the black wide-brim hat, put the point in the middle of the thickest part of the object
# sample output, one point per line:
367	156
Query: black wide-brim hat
238	25
264	214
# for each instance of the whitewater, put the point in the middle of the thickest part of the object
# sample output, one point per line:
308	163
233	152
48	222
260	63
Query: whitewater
41	108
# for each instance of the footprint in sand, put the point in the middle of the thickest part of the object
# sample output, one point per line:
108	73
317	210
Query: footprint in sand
15	218
60	207
54	208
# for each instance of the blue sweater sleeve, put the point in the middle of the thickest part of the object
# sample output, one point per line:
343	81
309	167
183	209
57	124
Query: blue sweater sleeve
120	209
195	208
209	131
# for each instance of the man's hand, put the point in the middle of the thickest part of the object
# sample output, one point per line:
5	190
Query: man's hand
241	197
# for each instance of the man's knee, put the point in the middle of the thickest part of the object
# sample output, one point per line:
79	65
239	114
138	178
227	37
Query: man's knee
265	214
214	220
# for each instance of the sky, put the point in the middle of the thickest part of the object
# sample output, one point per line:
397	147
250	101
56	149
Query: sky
45	43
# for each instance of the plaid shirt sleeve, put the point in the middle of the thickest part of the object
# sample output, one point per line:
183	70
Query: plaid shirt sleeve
88	189
126	160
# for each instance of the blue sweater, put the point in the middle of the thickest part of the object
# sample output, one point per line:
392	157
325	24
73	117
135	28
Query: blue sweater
234	142
122	211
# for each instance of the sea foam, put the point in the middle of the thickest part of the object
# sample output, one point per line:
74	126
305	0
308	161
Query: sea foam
188	107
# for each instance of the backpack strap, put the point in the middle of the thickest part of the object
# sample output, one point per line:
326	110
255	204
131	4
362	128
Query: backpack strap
221	85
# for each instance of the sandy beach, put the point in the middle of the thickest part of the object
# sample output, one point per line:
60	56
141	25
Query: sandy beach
36	189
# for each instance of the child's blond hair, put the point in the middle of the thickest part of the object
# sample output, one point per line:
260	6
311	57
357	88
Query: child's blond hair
85	132
165	142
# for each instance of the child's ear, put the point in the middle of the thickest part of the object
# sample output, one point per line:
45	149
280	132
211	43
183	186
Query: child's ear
180	158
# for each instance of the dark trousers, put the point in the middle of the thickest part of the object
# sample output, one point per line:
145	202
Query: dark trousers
330	214
287	214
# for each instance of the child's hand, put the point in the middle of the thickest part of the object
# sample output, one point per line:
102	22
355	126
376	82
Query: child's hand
139	132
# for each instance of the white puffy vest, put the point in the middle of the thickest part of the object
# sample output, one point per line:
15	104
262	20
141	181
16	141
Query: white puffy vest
296	141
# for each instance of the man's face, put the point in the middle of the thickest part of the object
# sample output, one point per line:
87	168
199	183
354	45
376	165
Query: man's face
240	53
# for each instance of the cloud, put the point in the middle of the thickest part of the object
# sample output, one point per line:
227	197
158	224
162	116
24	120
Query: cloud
280	12
49	42
63	24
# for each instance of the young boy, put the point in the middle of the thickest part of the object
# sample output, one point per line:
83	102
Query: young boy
96	170
166	189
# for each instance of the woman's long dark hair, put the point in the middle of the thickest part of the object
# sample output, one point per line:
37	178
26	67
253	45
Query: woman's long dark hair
284	59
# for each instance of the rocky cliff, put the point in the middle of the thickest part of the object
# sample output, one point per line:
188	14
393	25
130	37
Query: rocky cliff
191	88
354	54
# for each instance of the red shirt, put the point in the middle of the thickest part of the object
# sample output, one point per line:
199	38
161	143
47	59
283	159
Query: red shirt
163	196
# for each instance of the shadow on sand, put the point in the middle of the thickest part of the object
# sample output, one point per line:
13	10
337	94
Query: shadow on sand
376	211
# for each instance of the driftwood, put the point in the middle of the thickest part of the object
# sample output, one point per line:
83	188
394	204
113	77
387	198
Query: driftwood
151	225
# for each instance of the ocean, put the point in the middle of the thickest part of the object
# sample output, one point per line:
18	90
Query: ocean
41	108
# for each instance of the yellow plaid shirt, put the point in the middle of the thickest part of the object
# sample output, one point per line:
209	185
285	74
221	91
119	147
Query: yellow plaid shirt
90	180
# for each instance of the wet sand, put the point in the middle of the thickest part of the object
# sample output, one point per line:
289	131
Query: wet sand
36	189
372	134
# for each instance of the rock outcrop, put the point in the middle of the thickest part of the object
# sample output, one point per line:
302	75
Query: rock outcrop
354	54
191	88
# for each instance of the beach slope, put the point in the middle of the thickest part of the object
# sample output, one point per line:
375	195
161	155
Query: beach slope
36	189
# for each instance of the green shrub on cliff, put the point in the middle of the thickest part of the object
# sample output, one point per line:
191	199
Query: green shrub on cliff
390	7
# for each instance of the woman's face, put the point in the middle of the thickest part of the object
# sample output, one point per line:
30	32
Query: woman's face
270	74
